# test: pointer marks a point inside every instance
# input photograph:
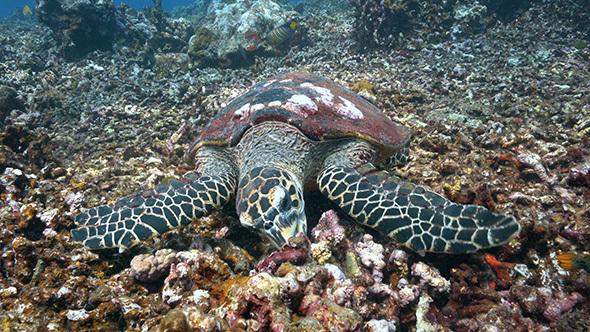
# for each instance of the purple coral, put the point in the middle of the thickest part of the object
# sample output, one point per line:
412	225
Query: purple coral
371	256
271	263
430	277
176	283
329	229
408	293
148	268
579	176
530	300
533	300
559	304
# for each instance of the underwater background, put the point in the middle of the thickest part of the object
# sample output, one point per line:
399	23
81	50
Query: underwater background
100	100
7	7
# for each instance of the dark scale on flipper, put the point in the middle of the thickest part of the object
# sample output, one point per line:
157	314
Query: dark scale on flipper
412	211
82	219
125	225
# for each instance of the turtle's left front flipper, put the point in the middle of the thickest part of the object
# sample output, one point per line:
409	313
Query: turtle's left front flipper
150	212
422	220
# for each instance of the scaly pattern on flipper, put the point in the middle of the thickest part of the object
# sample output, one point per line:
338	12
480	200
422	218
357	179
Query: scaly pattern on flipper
414	216
398	159
151	212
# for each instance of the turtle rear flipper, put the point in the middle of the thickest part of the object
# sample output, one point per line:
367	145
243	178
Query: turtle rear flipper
151	212
422	220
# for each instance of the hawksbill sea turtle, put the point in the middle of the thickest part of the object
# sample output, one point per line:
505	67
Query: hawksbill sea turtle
287	133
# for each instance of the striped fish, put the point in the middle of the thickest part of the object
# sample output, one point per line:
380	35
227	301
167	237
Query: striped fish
279	34
573	261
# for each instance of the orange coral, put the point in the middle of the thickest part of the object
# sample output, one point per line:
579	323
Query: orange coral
501	268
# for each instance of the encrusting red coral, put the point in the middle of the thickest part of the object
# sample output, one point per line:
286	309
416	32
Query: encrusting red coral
329	229
501	268
292	255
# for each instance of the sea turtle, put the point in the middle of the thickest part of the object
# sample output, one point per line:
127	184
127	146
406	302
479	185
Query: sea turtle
291	132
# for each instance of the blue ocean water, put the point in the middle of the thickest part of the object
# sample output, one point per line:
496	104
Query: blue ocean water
7	7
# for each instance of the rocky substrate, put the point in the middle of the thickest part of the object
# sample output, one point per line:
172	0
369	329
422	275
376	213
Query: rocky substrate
499	109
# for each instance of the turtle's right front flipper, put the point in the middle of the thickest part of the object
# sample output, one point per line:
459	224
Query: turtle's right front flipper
416	217
151	212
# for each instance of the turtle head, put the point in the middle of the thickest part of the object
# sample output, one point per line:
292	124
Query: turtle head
270	200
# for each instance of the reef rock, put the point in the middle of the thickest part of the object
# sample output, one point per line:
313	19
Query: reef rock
233	32
82	26
148	268
9	101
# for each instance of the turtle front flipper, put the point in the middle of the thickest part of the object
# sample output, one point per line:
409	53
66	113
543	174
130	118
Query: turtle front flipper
422	220
151	212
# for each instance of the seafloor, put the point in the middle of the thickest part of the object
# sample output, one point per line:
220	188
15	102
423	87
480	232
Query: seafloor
500	117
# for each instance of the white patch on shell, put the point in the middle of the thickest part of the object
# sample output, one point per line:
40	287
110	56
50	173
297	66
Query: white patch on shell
268	83
242	110
276	103
246	110
349	110
301	104
326	95
256	108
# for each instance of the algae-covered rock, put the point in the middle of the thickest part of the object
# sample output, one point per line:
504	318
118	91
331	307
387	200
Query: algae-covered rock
82	26
198	45
9	101
174	321
254	301
233	31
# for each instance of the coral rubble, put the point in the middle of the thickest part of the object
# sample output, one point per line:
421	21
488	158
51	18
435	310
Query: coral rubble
108	99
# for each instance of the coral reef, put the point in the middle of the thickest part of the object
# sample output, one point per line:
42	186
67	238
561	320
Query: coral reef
496	96
232	32
274	261
81	26
328	235
371	256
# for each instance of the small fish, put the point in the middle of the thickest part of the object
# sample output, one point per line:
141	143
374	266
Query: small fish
242	52
574	261
27	11
279	34
251	48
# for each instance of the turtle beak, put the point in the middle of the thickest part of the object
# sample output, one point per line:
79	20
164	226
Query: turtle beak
270	201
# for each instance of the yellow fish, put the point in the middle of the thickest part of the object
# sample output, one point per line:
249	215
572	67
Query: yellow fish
573	261
280	34
27	11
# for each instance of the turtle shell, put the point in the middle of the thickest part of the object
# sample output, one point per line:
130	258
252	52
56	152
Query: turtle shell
320	108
